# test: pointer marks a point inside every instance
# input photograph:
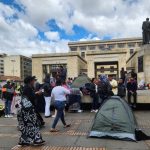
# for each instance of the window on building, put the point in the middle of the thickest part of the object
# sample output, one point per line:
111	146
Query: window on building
111	46
139	44
112	69
102	46
102	69
121	45
73	48
131	44
92	47
83	54
131	51
140	64
82	48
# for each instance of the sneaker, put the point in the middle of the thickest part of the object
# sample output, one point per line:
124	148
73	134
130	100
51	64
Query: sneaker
96	110
92	110
79	111
6	116
10	116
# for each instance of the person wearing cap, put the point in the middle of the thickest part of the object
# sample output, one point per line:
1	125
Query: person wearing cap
7	95
27	116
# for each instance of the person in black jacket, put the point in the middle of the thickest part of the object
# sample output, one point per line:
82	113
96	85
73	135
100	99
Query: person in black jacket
47	89
104	88
8	97
132	88
121	89
94	95
27	116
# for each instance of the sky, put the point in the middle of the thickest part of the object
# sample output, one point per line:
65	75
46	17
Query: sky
46	26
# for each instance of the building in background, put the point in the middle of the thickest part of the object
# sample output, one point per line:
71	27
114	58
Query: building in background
43	64
18	66
106	56
90	57
2	64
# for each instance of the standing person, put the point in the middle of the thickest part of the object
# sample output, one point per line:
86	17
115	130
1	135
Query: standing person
59	95
13	86
47	96
122	74
104	88
133	74
94	95
113	83
121	89
63	73
132	91
27	117
7	95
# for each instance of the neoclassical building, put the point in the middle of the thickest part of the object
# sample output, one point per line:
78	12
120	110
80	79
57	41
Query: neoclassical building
90	57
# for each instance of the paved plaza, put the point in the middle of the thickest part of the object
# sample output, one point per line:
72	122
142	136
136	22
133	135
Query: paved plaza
73	138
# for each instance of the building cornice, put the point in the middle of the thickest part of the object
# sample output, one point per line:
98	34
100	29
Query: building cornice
105	52
105	41
69	54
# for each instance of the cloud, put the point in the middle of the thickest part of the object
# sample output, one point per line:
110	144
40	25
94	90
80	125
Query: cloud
118	18
19	30
89	37
54	36
20	36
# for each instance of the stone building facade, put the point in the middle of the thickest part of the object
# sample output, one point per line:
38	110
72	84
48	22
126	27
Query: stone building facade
18	66
90	57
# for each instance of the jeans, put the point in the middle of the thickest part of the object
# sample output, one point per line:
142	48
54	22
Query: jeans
47	105
7	107
60	106
134	97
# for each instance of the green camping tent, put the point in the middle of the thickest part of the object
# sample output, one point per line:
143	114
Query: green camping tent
80	81
114	120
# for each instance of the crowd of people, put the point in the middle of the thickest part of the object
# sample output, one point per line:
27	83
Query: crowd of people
57	91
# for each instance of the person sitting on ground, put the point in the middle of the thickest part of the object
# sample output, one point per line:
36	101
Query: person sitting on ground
59	95
121	89
94	95
132	88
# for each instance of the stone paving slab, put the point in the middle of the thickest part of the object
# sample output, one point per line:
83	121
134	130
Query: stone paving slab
75	136
56	148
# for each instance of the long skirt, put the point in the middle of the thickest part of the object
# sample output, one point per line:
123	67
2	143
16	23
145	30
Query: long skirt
28	126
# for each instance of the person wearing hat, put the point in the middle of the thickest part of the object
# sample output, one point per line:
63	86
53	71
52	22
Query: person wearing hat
27	116
7	95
